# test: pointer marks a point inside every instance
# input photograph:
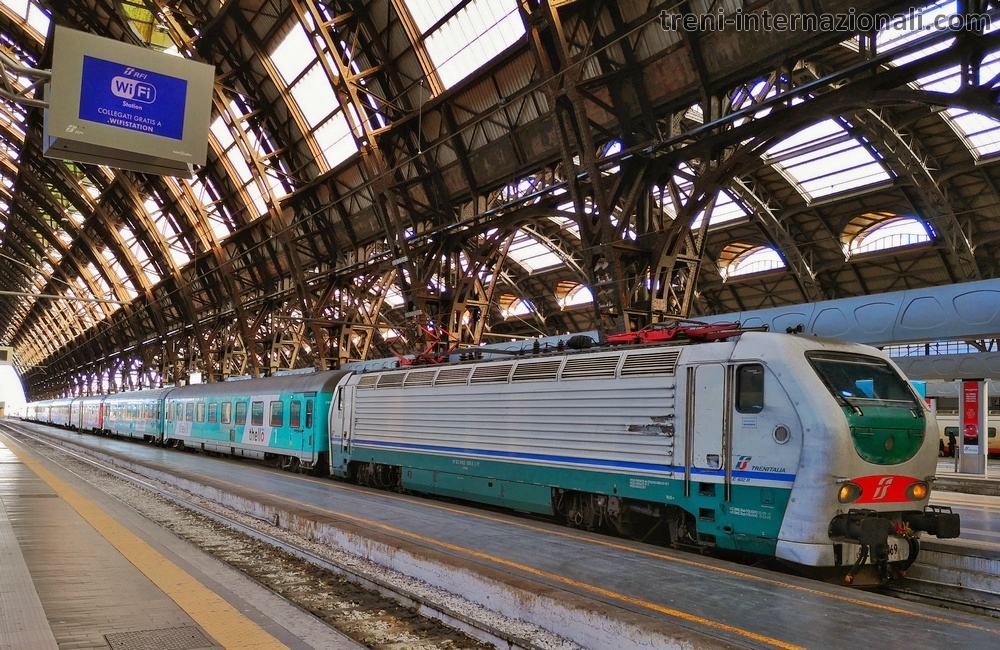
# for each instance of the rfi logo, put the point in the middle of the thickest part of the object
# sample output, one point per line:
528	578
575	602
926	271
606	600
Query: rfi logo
883	488
140	91
743	462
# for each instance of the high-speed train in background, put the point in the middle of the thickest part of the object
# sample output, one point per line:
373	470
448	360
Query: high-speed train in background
812	451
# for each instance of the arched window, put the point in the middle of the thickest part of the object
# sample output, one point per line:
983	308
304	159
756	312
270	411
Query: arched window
891	233
572	294
511	306
746	259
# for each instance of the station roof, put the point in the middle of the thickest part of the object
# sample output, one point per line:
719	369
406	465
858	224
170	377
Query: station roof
392	176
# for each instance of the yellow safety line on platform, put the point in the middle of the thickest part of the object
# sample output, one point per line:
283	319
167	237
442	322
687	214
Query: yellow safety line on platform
216	616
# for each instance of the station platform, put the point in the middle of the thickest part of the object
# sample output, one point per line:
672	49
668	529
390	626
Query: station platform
597	592
80	570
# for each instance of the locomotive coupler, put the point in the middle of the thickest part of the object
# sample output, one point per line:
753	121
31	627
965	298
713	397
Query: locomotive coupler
871	531
865	527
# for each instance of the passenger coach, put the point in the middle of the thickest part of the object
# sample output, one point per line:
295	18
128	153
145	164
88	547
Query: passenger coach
282	418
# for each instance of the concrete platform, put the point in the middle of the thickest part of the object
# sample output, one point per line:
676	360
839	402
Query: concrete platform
80	570
597	591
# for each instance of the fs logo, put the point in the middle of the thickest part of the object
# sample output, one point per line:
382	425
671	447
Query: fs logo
743	462
883	488
139	91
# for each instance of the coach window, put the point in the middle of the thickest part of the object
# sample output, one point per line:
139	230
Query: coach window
201	411
309	413
294	413
750	388
189	411
277	414
227	412
241	413
170	411
213	412
257	414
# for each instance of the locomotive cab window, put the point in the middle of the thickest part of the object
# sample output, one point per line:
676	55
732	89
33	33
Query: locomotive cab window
257	414
277	414
750	388
241	413
853	377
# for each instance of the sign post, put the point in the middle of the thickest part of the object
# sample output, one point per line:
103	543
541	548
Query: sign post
973	424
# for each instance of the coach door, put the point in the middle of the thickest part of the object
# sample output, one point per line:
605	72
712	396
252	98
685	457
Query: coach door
706	398
340	419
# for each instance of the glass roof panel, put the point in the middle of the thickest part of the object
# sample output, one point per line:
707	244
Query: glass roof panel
427	12
920	23
824	159
532	254
293	54
981	133
475	34
335	140
315	96
35	17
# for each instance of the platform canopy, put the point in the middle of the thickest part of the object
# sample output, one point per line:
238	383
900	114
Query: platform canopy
393	176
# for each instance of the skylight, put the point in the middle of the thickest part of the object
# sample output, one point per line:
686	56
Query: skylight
532	254
825	159
469	38
725	208
980	133
35	17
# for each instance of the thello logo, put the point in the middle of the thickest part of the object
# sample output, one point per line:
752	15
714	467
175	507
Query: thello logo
882	489
139	91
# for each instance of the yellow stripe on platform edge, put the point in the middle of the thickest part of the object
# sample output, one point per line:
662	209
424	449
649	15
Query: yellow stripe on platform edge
221	620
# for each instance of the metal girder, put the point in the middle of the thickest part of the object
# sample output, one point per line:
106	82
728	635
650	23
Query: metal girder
927	196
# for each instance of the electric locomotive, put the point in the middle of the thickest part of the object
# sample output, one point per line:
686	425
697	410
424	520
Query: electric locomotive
812	451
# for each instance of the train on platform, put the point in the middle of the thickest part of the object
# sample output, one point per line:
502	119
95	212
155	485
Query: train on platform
811	451
949	427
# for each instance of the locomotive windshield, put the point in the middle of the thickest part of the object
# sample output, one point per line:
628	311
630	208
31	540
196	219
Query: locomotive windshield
854	378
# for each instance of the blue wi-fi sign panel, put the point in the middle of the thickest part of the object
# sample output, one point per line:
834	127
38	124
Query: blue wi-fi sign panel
132	98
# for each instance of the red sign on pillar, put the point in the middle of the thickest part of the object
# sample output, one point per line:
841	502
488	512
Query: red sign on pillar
970	410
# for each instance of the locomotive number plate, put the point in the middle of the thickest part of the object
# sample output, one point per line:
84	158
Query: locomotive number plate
899	550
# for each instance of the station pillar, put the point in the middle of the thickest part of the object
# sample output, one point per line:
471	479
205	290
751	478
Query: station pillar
973	424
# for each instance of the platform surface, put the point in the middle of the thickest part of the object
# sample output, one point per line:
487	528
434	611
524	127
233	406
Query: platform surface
80	570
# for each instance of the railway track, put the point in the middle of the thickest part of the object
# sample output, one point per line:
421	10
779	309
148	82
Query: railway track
379	610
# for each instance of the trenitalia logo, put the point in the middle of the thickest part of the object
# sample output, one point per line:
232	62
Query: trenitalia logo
883	488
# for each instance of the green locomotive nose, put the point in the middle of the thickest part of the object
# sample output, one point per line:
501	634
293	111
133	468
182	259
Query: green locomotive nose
886	435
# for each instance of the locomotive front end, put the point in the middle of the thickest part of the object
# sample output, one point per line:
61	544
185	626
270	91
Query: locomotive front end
882	473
